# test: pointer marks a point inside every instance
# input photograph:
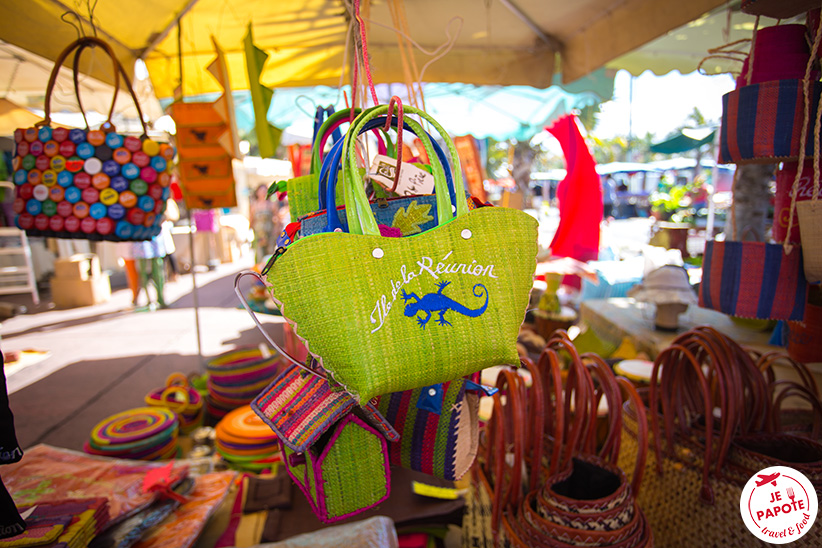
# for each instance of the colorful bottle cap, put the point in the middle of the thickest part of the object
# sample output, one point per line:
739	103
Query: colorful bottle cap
155	191
67	149
104	153
133	144
124	230
64	208
109	196
114	140
72	224
77	136
98	210
121	155
34	207
30	134
164	179
159	164
41	192
36	148
18	135
105	226
140	159
88	225
149	220
49	177
25	221
20	176
100	181
111	168
42	162
148	174
128	199
93	166
44	134
57	223
16	163
51	148
91	195
22	148
41	222
130	171
65	178
26	191
136	216
75	164
58	163
96	137
29	161
119	183
80	210
167	152
59	134
85	150
138	187
146	203
73	194
151	147
35	176
159	206
116	211
50	208
82	180
57	193
19	205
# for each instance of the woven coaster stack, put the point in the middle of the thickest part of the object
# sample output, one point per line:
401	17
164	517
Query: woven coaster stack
236	377
246	442
144	433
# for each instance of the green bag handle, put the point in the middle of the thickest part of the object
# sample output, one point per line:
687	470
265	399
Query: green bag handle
360	217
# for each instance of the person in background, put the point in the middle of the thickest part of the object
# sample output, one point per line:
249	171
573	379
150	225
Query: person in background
608	197
124	250
172	216
150	256
265	222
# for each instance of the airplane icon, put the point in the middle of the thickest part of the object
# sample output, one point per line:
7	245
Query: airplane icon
765	478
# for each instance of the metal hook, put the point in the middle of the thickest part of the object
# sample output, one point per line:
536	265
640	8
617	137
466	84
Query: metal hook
302	109
91	9
285	354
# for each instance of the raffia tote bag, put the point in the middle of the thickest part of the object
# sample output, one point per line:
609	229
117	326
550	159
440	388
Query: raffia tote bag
383	315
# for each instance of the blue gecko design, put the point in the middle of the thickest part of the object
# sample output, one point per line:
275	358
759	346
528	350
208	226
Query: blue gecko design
437	302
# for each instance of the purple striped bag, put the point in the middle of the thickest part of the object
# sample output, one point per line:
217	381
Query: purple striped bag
762	123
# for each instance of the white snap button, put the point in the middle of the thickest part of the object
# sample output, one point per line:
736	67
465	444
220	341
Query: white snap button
453	208
466	234
432	392
378	253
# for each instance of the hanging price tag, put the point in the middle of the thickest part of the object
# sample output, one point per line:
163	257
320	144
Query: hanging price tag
413	180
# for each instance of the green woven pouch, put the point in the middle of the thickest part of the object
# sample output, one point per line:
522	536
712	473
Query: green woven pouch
389	314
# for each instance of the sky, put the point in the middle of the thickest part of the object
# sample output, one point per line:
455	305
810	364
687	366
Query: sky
660	103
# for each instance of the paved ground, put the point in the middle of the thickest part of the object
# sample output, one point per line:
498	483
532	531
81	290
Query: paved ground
105	358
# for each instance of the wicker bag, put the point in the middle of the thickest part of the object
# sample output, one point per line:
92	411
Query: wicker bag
698	467
466	267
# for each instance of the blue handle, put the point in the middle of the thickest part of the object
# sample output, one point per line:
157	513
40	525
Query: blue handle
335	156
336	135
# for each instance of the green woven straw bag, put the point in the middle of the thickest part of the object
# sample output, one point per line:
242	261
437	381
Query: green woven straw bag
383	314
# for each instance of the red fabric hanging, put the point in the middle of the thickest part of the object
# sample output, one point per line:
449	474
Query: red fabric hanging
579	195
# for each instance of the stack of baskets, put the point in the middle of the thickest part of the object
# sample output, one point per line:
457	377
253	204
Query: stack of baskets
179	396
144	433
236	377
246	442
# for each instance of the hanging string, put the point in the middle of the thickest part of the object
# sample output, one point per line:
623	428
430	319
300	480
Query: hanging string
803	136
365	57
398	102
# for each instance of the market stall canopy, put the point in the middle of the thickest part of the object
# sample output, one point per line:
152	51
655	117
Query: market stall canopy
684	141
499	42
